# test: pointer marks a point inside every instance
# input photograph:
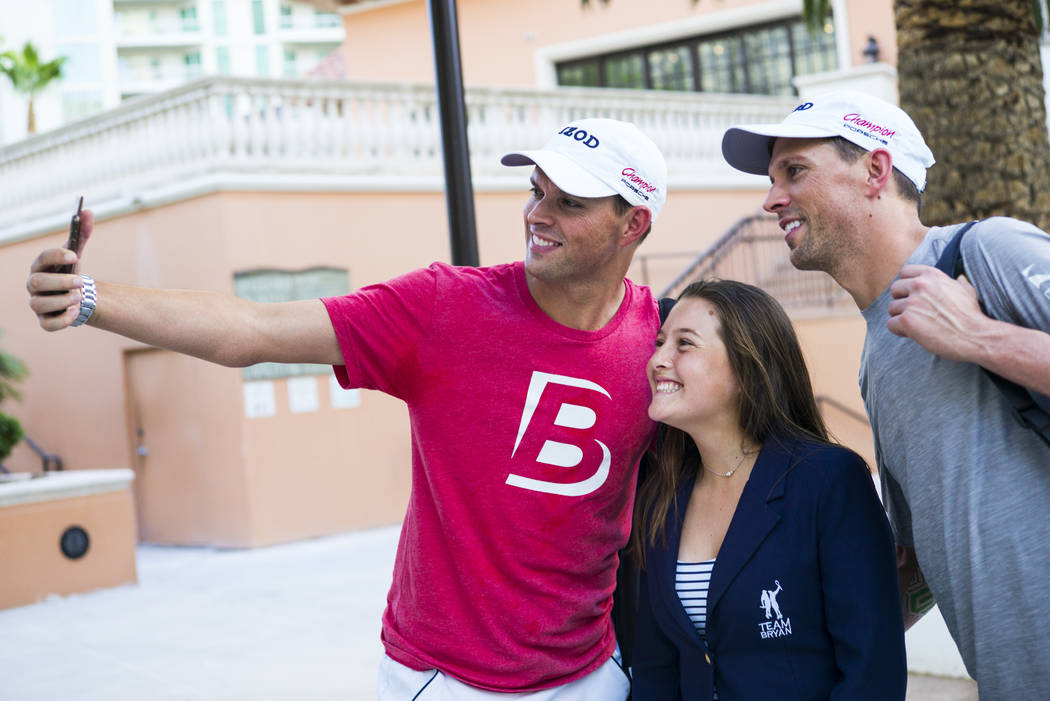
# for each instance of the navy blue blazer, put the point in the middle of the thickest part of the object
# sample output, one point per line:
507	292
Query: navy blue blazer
803	600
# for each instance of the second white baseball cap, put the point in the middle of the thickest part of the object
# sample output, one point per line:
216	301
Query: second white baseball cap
862	119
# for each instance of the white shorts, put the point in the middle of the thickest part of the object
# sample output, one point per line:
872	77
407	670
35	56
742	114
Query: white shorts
400	683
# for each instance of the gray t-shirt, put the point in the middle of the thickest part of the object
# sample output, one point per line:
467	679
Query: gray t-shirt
964	483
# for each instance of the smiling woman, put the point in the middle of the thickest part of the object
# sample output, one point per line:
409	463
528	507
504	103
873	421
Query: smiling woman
753	529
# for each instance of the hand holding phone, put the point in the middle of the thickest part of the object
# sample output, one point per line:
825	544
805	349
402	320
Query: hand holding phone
74	238
72	243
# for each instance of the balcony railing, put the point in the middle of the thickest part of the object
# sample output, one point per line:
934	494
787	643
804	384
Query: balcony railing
160	74
131	31
272	134
754	251
311	22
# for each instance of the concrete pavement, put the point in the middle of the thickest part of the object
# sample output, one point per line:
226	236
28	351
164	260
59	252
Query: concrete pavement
291	622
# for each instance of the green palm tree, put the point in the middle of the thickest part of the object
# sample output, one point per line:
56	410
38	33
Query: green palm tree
12	371
28	75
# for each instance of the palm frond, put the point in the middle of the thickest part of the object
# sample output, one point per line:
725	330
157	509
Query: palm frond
25	71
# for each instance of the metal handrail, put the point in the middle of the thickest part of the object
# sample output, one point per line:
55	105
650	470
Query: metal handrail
753	251
48	459
823	399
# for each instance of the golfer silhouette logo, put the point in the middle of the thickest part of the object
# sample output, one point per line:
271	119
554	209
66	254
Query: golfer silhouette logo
769	601
775	625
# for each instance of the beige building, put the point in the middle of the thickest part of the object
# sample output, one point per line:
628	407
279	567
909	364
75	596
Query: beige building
284	189
118	49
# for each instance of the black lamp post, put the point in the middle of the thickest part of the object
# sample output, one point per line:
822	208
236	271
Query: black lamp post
459	191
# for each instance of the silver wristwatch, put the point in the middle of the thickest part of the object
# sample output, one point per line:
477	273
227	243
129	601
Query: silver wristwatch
87	300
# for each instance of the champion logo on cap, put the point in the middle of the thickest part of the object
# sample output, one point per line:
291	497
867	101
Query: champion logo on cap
636	180
870	127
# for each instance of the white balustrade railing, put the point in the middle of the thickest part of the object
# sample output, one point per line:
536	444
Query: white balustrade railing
293	134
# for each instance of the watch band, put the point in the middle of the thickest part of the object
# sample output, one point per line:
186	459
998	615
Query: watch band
87	300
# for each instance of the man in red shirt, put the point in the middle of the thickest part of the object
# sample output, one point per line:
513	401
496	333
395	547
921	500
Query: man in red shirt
526	387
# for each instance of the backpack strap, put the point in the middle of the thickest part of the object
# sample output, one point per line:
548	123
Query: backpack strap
951	263
1026	411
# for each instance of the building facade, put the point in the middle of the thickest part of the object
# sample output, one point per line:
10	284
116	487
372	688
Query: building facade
120	49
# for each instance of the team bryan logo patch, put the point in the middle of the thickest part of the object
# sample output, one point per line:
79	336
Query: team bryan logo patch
775	625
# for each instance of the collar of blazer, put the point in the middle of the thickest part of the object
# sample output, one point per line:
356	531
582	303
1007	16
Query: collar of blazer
757	514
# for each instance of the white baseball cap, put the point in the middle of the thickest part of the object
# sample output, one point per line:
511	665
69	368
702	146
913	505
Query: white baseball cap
864	120
599	158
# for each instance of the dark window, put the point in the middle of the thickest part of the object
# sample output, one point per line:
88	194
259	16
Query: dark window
759	59
722	65
814	51
624	71
671	69
580	74
768	54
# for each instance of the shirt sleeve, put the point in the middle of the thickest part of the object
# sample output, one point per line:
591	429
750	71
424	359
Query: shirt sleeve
1008	263
896	505
380	329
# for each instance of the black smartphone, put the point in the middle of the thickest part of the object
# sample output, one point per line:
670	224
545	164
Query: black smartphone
71	243
74	238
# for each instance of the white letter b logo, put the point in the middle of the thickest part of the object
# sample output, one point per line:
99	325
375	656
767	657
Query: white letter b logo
557	453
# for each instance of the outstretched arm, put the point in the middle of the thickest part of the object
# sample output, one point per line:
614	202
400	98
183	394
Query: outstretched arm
220	328
943	316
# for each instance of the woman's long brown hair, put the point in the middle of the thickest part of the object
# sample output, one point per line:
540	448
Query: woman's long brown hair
776	397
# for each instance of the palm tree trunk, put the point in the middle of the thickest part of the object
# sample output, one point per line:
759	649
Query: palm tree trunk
970	76
31	126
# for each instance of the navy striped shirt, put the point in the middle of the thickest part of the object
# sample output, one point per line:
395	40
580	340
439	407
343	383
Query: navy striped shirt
691	582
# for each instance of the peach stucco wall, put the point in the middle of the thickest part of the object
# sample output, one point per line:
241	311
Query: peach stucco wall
872	19
32	562
246	474
499	39
832	346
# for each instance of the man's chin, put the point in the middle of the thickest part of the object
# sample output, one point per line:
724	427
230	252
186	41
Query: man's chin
801	261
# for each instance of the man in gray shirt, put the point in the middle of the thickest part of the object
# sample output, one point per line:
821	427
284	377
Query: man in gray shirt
966	485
